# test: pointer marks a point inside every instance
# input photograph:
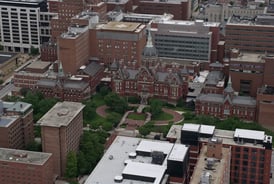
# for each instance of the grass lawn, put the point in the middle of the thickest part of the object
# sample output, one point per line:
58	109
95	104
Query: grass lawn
163	116
136	116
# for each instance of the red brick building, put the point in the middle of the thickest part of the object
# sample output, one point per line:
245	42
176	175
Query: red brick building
265	106
151	79
250	34
226	105
251	150
180	9
117	41
250	71
123	5
61	128
49	51
16	125
20	166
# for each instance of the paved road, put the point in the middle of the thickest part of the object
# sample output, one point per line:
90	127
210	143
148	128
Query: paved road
6	90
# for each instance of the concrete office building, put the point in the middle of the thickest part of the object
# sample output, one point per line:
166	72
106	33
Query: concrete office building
222	12
16	125
180	9
20	166
21	24
61	128
195	40
250	34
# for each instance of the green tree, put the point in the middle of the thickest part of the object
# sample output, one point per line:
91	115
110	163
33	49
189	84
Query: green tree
156	107
114	118
91	146
81	163
89	111
116	103
146	128
71	166
34	51
34	146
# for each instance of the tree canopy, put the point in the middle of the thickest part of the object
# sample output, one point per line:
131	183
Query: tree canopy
116	103
71	166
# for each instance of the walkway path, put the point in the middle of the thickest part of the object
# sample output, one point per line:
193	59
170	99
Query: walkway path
101	111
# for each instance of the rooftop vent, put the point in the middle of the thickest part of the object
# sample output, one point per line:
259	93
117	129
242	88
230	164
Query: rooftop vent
132	155
118	179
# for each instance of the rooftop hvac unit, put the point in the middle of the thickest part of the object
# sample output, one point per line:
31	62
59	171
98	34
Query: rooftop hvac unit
206	178
157	157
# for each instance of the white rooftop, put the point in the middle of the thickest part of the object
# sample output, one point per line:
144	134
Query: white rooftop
116	162
207	129
249	134
150	146
191	127
178	152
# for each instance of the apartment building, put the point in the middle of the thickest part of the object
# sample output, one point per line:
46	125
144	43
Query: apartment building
20	166
118	41
21	24
16	125
61	128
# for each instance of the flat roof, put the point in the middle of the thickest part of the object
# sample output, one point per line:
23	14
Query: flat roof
120	26
217	175
61	114
174	132
6	56
150	146
249	134
38	65
6	121
178	152
16	106
249	57
207	129
191	127
23	156
116	161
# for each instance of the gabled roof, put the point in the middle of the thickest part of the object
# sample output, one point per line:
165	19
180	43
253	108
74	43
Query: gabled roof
92	69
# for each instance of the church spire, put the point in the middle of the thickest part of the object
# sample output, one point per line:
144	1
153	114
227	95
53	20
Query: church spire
149	50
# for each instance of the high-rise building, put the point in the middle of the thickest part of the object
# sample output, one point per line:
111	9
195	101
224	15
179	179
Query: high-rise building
20	166
250	34
181	9
61	128
16	125
118	41
24	24
196	40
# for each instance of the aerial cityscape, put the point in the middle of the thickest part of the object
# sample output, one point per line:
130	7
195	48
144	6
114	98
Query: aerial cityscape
136	91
